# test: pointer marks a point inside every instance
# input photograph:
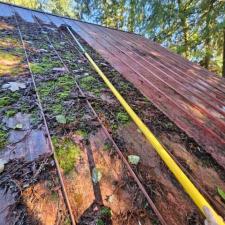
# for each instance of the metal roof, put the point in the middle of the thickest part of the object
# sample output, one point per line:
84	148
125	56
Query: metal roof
192	97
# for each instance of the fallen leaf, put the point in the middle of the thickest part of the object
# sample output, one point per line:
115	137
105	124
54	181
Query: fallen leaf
42	50
134	159
61	119
59	69
2	165
221	193
111	198
19	126
25	185
96	175
14	86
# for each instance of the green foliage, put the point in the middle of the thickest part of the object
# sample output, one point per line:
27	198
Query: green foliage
67	153
56	108
46	88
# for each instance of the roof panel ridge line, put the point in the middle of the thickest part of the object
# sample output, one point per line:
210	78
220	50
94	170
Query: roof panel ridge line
202	99
143	77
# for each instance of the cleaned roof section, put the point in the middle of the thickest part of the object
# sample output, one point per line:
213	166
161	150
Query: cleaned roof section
188	94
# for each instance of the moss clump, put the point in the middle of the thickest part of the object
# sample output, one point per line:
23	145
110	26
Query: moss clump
60	88
8	98
46	89
63	95
122	117
124	85
91	84
38	68
67	221
82	133
65	81
104	216
104	211
54	93
100	222
107	146
10	113
4	101
3	138
57	109
54	196
44	66
67	153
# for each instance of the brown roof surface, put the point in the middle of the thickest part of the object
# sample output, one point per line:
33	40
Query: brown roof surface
188	94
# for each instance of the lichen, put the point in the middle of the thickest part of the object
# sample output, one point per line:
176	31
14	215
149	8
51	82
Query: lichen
10	64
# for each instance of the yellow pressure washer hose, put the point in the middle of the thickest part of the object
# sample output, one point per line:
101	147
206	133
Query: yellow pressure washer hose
188	186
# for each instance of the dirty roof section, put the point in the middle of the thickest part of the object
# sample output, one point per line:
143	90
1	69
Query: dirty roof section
188	94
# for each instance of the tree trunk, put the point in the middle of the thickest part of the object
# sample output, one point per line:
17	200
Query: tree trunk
223	70
184	26
207	57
